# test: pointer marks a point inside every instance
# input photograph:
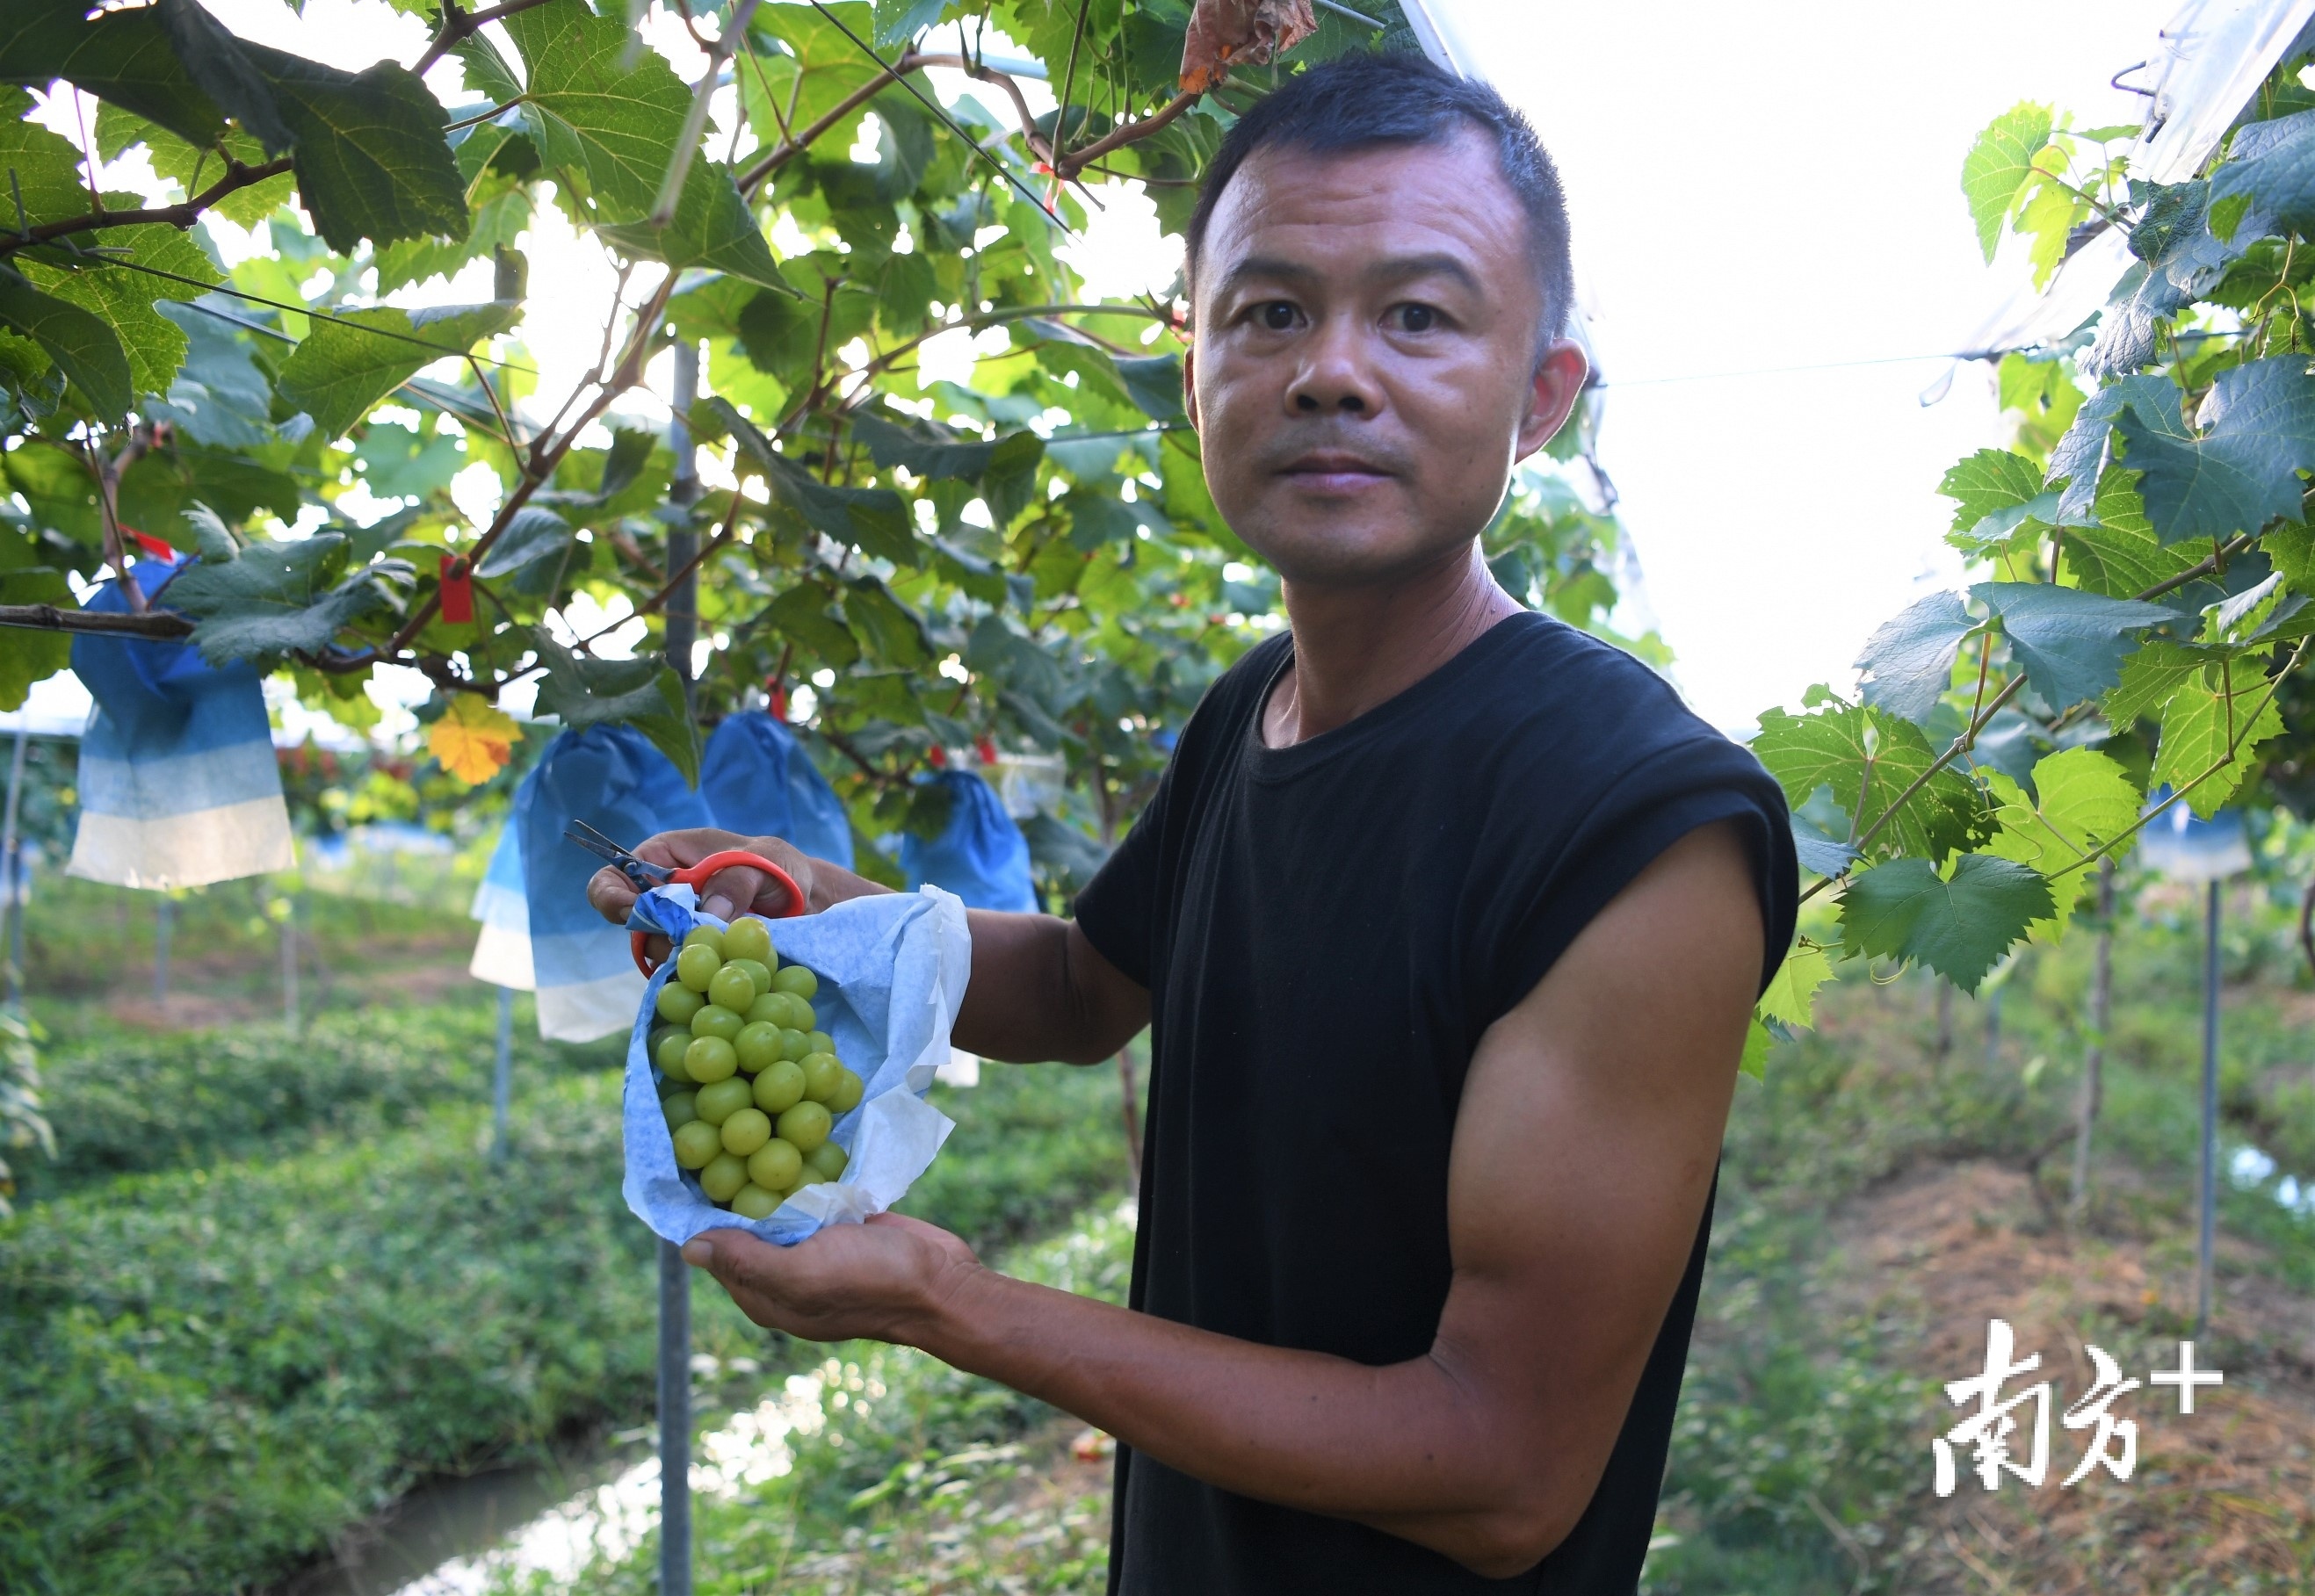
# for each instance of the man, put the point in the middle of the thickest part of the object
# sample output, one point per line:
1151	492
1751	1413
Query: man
1446	918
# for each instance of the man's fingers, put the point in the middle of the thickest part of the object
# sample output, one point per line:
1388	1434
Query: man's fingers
611	893
739	1260
733	891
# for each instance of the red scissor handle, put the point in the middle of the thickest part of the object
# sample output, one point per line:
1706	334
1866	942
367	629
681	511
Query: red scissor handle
692	875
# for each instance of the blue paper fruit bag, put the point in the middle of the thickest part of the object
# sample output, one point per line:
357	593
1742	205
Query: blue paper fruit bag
889	972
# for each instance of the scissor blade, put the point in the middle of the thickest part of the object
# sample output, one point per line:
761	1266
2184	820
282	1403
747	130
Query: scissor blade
596	846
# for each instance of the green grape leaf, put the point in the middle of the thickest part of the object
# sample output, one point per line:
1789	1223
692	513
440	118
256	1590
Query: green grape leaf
2081	799
2182	261
1153	383
2048	218
339	371
2270	167
1754	1060
2149	678
600	107
45	168
874	519
125	57
1910	660
84	346
1959	925
712	229
643	693
533	534
371	156
127	298
2212	729
398	464
26	655
2071	643
894	633
272	598
1868	759
2076	463
221	64
1791	997
1993	482
923	448
900	21
805	613
1999	164
2292	549
1826	856
2116	552
2243	470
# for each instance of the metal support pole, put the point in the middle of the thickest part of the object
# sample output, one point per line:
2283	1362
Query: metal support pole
289	964
160	915
682	612
502	1075
2209	1226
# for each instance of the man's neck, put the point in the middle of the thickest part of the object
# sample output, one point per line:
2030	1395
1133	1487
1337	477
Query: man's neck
1357	648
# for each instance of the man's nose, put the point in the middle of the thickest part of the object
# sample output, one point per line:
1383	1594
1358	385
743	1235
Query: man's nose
1336	376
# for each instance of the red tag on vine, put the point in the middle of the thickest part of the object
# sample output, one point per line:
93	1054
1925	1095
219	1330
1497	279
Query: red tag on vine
939	756
157	547
986	748
779	703
457	591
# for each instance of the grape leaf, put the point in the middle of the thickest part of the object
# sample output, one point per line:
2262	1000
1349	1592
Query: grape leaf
43	169
339	371
598	106
2150	676
873	518
895	634
2257	433
1999	164
2182	261
1826	856
900	21
371	156
1989	483
2292	549
2080	800
2214	723
923	448
1909	661
1868	759
533	534
125	298
803	613
2270	166
2071	643
2075	461
83	347
644	692
1153	382
123	56
272	598
473	740
221	64
712	229
192	167
1791	996
26	655
1754	1060
2116	552
1959	925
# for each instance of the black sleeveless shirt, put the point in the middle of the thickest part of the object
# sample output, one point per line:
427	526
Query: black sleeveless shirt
1326	931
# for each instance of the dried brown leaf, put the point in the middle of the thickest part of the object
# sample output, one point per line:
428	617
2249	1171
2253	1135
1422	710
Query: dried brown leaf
1225	32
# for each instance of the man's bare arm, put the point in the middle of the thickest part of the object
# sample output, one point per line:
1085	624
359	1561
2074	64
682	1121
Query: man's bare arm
1039	990
1589	1130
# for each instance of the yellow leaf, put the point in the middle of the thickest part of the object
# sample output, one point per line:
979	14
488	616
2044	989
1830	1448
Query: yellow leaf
473	740
1791	997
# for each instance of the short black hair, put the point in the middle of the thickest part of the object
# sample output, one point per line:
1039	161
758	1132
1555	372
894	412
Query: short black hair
1367	98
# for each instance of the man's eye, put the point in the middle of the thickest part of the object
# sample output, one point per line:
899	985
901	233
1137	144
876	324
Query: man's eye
1417	318
1278	316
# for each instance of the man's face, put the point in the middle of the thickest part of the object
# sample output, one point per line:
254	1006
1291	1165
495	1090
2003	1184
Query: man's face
1364	375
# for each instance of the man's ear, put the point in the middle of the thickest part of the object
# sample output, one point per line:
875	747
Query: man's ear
1189	384
1559	382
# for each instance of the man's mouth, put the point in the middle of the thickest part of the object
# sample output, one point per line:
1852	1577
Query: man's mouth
1335	470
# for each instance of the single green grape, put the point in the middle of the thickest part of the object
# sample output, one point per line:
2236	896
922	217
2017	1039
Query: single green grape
705	937
678	1003
752	1201
696	965
822	1074
805	1020
679	1109
830	1160
733	987
822	1042
720	1101
696	1143
668	1055
796	981
723	1176
747	1130
807	1177
805	1126
709	1059
758	971
750	938
795	1045
849	1090
779	1086
774	1164
764	1008
758	1042
716	1020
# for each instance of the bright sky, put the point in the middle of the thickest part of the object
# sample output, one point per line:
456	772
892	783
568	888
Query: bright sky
1743	197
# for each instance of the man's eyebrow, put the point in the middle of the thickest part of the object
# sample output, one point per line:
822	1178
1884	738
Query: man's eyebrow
1386	269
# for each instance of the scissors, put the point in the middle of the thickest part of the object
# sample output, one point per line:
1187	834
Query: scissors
647	875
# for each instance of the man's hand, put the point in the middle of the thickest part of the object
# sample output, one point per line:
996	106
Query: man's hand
884	1280
724	894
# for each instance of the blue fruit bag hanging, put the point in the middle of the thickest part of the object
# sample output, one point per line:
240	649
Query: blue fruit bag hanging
179	786
759	781
981	855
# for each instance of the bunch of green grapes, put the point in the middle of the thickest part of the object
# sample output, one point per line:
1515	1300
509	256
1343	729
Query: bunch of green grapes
750	1086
